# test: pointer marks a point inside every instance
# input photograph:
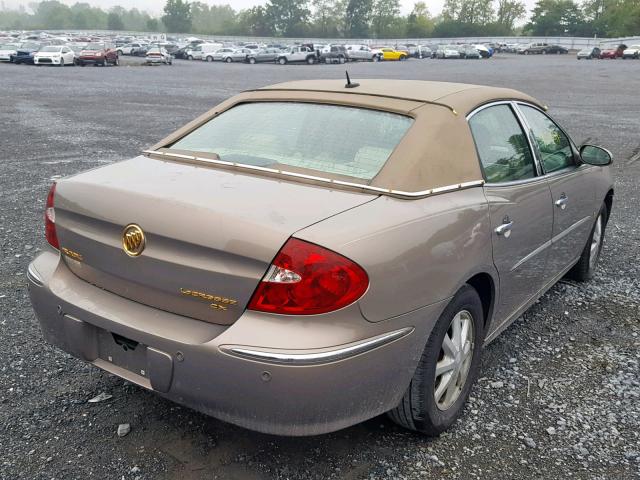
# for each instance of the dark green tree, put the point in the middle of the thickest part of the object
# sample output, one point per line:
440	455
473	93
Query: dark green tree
289	17
556	17
177	16
114	21
358	18
384	15
419	22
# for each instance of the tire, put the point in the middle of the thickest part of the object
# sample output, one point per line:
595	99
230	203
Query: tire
228	60
105	62
61	62
252	60
544	52
190	57
418	410
375	58
402	58
311	60
282	61
586	267
341	59
119	52
526	52
116	62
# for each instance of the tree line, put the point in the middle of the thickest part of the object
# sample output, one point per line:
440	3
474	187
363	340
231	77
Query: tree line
344	18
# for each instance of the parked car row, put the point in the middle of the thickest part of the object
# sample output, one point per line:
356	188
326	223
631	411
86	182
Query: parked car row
94	53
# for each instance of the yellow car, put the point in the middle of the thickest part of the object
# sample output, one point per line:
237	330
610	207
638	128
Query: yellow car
392	54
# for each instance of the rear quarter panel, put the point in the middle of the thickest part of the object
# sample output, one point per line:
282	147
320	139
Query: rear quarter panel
416	252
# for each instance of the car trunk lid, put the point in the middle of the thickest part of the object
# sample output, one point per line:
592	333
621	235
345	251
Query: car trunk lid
210	234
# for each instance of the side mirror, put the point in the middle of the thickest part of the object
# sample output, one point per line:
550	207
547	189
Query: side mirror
595	155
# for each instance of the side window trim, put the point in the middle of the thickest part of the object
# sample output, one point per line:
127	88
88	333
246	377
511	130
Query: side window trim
539	173
534	145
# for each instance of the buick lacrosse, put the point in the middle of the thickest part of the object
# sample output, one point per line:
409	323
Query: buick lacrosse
309	255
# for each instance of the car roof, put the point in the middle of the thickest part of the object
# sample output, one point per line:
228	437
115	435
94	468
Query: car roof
436	154
457	96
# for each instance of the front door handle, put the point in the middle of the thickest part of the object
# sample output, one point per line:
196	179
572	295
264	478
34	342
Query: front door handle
561	203
505	229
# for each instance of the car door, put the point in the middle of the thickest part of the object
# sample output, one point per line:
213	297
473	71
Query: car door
574	206
519	201
67	57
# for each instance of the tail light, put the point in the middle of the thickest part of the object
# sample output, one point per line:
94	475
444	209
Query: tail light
306	279
50	219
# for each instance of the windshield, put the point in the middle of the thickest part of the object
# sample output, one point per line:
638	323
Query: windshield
50	49
7	47
95	46
332	139
30	46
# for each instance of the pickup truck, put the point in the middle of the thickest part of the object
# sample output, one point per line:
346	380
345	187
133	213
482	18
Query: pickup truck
363	52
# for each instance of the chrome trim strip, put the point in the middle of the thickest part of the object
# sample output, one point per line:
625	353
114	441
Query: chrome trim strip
570	229
34	277
368	188
528	257
319	357
548	243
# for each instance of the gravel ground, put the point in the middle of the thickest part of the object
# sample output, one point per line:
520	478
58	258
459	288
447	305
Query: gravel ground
559	395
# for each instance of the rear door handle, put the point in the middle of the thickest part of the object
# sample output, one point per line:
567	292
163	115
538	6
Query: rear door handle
561	203
504	229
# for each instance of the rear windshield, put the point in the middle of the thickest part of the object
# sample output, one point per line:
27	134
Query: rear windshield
332	139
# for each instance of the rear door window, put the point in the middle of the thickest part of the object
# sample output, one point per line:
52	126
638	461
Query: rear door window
502	146
332	139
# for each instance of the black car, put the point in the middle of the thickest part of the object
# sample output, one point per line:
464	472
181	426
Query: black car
25	53
557	49
181	53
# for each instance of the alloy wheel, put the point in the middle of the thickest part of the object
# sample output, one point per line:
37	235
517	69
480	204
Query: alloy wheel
454	361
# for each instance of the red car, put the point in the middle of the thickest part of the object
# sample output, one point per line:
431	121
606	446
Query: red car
613	53
98	54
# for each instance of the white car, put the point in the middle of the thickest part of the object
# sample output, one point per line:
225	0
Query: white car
6	52
447	51
131	48
632	52
55	55
158	55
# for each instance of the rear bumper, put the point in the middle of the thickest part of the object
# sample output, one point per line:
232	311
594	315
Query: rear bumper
91	59
297	376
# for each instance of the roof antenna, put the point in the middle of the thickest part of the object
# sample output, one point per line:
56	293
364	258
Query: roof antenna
349	84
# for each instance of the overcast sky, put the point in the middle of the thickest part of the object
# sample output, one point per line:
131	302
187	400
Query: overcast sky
155	6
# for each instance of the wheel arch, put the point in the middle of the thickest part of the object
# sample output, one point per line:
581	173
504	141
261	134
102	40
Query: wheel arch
608	201
484	284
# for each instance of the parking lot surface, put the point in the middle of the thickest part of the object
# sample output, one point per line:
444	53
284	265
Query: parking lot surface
559	393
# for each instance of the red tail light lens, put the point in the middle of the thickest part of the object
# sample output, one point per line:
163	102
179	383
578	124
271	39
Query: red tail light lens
50	219
306	279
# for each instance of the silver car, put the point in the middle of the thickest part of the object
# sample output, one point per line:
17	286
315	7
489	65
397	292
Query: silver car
247	267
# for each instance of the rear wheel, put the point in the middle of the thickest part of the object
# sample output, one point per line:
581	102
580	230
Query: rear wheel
586	267
190	57
447	369
311	60
228	60
252	60
209	58
282	61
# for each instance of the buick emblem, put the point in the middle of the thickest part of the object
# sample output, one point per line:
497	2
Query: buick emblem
133	241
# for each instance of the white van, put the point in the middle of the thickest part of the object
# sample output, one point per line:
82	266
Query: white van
200	52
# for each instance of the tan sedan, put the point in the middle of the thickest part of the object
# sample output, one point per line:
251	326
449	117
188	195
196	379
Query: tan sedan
308	255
